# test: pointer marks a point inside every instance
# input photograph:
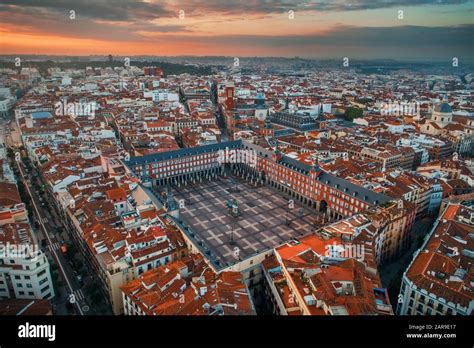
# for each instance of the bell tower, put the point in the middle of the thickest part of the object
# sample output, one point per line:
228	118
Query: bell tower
230	95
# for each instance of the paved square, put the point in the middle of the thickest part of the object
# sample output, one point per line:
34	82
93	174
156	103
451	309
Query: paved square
261	224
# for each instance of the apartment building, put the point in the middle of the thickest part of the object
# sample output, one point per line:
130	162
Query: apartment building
24	268
438	281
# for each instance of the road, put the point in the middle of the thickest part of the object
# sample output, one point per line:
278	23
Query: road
391	273
52	234
47	222
66	273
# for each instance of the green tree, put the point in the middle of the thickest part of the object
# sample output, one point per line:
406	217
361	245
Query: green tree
352	113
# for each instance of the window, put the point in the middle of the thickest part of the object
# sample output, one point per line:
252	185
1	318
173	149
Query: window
17	277
45	288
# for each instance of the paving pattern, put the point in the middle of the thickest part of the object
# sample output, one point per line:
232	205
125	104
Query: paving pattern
262	223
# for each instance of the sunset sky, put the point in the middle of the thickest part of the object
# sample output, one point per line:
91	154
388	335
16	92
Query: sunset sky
430	29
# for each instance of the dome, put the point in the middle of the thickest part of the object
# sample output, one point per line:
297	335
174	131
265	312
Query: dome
444	108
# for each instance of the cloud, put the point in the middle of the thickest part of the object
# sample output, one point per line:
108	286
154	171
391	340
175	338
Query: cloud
134	23
347	35
117	10
278	6
129	10
93	19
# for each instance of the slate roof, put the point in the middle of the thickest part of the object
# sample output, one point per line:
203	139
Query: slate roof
163	156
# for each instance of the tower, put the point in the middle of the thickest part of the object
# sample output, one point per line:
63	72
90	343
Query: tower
229	95
320	122
316	169
276	154
268	128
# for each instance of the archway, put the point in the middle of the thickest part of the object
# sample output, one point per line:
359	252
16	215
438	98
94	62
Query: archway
323	206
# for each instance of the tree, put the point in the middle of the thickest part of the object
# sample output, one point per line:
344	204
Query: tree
352	113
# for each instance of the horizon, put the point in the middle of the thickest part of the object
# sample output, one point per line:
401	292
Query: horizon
153	58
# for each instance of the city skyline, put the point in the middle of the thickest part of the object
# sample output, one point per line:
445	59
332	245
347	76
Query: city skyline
236	161
325	29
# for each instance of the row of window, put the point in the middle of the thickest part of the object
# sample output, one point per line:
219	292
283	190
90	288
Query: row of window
426	307
12	262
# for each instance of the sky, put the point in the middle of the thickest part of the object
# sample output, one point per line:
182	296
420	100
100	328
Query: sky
401	29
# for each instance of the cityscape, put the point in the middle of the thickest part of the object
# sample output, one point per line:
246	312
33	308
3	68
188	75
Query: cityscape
160	158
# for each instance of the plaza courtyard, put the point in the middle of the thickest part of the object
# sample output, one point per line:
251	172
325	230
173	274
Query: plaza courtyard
264	220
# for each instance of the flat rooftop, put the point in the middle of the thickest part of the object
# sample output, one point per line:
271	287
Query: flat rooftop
260	226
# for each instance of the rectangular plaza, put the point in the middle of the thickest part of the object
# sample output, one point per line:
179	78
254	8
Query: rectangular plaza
264	222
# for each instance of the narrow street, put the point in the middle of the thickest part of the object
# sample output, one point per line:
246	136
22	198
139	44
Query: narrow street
46	237
391	274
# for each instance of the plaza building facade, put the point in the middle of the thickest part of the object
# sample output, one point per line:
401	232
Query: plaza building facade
308	184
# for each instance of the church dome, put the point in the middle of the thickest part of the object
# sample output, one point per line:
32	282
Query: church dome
444	108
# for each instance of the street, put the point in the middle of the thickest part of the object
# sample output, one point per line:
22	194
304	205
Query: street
51	234
45	234
391	273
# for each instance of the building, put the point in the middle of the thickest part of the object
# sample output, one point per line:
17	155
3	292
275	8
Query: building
24	269
153	71
12	209
439	279
303	182
442	114
301	121
14	307
187	287
322	275
120	232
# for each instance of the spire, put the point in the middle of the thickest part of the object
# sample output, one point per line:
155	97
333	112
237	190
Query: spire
268	123
316	166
